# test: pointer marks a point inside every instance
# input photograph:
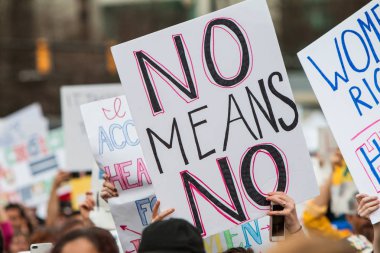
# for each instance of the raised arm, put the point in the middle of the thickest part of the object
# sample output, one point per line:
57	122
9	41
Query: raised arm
53	204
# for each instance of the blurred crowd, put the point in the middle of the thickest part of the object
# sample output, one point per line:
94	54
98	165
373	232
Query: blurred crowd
335	221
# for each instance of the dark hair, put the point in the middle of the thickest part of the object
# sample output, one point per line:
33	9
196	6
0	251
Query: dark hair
71	225
100	238
239	250
23	215
173	235
44	234
18	207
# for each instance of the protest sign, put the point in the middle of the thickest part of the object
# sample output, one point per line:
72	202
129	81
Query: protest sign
20	126
216	118
27	169
253	234
116	148
78	154
342	67
134	216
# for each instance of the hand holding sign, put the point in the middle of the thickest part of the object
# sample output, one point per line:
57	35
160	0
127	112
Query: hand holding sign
109	190
292	223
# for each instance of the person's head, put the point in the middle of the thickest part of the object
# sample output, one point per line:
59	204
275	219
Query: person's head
20	242
173	235
17	217
91	240
239	250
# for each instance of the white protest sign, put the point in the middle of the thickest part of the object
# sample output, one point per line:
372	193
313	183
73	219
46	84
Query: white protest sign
216	118
116	148
342	67
78	154
22	125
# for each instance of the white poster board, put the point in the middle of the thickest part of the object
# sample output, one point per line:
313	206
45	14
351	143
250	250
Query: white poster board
342	67
78	154
116	148
216	117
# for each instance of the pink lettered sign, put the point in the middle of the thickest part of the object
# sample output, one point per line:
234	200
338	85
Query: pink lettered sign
216	117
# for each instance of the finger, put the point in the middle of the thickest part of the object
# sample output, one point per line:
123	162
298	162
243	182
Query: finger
91	205
276	213
109	193
360	196
366	212
112	192
276	194
368	205
105	196
287	198
369	198
368	201
84	206
277	200
106	177
155	210
110	186
164	214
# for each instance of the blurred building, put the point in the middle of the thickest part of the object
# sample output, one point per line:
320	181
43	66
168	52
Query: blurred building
45	44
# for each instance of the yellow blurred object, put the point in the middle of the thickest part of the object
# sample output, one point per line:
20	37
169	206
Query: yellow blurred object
341	174
43	57
79	187
316	222
110	64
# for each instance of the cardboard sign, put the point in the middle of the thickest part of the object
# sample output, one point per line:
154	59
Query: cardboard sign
116	148
342	67
78	154
215	114
22	125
